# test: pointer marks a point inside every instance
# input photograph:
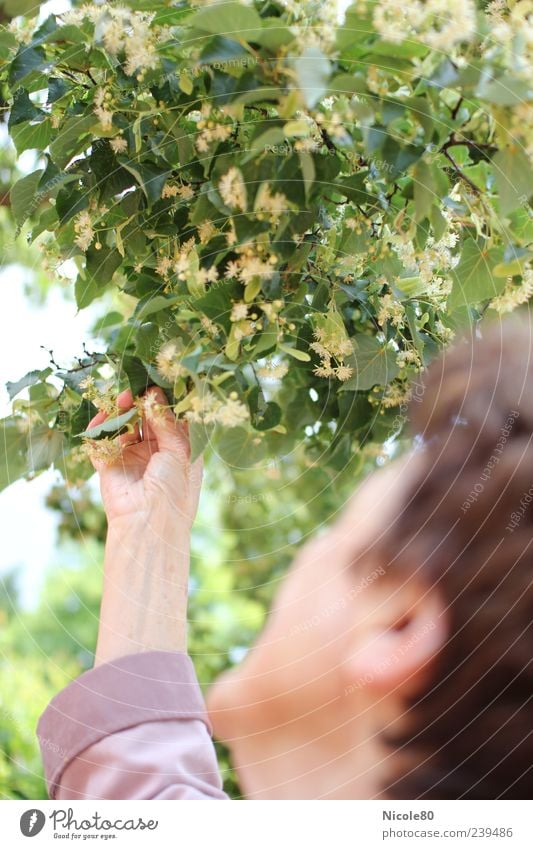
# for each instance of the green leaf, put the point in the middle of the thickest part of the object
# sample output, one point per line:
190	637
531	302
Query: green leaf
266	342
45	445
307	164
111	426
23	109
29	379
85	291
354	188
101	265
301	356
53	179
12	452
229	19
200	435
80	420
23	195
313	71
424	189
267	416
154	304
8	43
252	288
237	448
138	377
274	34
347	84
32	136
504	91
27	60
373	363
514	178
71	139
473	277
150	177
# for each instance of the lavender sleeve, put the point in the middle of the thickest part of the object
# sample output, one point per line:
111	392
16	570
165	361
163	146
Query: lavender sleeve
135	728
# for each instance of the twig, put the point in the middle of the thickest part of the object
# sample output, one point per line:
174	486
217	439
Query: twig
463	176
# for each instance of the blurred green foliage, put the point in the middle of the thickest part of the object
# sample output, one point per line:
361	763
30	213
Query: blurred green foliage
246	534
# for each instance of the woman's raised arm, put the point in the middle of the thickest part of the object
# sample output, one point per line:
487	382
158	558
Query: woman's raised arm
135	726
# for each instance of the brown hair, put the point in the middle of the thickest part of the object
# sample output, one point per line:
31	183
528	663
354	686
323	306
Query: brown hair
467	529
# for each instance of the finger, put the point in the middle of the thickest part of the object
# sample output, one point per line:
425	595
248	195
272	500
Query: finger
125	400
97	419
170	434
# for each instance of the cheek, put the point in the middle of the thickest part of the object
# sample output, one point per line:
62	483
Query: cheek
294	668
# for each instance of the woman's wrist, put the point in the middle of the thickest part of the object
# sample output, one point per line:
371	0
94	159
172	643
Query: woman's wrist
144	603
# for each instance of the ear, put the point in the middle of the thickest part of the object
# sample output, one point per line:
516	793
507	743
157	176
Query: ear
392	648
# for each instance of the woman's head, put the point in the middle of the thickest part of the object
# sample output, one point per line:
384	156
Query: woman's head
397	658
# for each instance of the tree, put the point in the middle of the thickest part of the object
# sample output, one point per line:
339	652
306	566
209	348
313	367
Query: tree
296	214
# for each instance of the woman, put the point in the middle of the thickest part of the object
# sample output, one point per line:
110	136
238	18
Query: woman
397	659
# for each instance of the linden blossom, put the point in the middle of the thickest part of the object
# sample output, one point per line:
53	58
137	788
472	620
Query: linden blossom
65	819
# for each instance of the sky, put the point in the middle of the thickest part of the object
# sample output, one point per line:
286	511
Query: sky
28	527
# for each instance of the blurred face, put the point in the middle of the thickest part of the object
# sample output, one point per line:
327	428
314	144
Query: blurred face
304	712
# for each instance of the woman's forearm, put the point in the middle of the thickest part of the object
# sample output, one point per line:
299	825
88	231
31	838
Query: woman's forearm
146	573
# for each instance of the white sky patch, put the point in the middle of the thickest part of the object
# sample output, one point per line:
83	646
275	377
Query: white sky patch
29	529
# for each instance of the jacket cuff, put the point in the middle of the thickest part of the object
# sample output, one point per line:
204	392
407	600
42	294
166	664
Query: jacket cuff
137	688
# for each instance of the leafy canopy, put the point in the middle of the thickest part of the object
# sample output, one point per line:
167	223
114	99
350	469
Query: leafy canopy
289	215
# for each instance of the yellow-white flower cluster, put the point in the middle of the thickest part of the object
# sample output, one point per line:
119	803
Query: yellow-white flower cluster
441	24
270	206
511	34
119	144
251	262
395	395
83	229
101	107
513	296
168	362
233	189
208	409
408	357
123	31
105	450
332	348
104	397
324	15
239	312
211	126
272	371
429	264
171	190
389	309
206	231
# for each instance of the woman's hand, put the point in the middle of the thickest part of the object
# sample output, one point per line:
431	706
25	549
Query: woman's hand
150	496
154	470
